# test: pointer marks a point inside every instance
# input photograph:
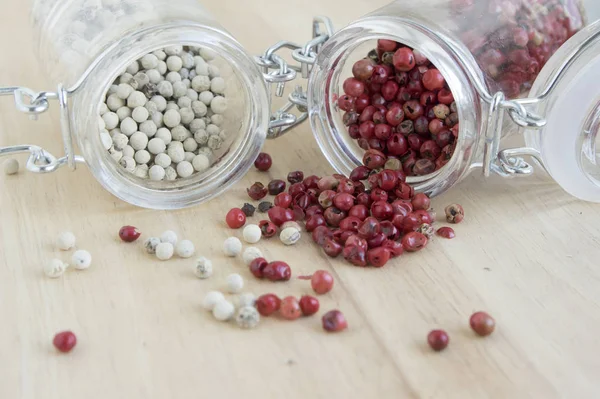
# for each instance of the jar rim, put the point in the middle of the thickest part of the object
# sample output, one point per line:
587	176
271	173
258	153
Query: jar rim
200	187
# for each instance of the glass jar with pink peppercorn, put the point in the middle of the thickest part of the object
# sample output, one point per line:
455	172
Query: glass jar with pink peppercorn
436	85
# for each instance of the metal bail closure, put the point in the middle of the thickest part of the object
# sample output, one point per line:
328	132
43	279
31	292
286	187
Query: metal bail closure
33	104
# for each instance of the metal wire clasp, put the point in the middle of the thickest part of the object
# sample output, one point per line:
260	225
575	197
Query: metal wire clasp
34	103
277	70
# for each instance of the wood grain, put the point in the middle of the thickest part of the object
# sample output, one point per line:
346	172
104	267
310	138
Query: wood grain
527	253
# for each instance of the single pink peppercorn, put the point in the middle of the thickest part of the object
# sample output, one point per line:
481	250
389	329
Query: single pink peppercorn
263	162
438	340
482	323
446	232
235	218
290	308
321	282
309	305
65	341
129	233
267	304
277	271
334	321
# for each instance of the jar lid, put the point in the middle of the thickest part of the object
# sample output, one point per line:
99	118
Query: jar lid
568	92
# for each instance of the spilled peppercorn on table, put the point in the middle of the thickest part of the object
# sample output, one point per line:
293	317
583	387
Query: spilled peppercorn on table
526	253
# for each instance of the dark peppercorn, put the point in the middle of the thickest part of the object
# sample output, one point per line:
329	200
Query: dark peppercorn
248	209
264	206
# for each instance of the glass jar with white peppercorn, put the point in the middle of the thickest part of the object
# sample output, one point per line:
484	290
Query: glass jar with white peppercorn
166	107
433	87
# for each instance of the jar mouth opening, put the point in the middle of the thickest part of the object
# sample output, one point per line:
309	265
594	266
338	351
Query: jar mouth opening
332	66
248	125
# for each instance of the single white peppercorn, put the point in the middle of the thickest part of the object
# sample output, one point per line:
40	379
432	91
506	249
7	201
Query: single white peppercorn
217	85
184	169
250	254
213	71
81	259
211	299
132	68
172	118
11	166
164	251
247	317
199	108
55	268
149	61
164	134
169	236
165	88
151	107
289	236
142	79
185	249
65	241
215	142
232	246
162	67
202	69
206	97
160	54
116	155
180	133
103	109
217	119
123	113
162	160
154	76
200	163
112	89
246	299
156	146
140	114
128	126
184	102
128	151
141	171
127	163
156	173
212	129
174	50
201	83
172	105
126	78
138	141
149	127
197	124
176	153
111	120
124	91
136	99
207	54
179	89
173	77
114	132
187	59
187	115
160	101
191	94
203	268
150	244
106	140
190	144
170	173
223	310
252	233
193	74
201	137
218	105
120	141
142	157
206	152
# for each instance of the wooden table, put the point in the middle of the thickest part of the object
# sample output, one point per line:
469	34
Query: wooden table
527	253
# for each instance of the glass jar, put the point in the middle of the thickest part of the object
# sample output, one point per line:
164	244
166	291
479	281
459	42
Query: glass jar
498	58
86	44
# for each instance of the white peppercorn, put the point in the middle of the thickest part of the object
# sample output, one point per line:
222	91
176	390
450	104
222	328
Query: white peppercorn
171	118
199	108
165	88
173	77
179	89
217	85
246	299
128	151
169	236
154	76
207	54
174	63
132	68
200	163
180	133
235	283
156	173
290	235
81	259
218	105
223	310
247	317
142	79
170	173
140	114
115	131
160	54
150	244
201	83
187	59
201	69
142	157
106	140
203	268
55	268
128	126
126	78
151	107
184	73
190	144
215	142
206	152
65	241
103	109
164	251
184	102
197	124
185	249
148	128
176	153
157	118
192	94
206	97
156	146
187	115
213	71
213	129
252	233
149	61
162	160
111	120
187	83
164	134
113	102
162	67
174	50
172	105
136	99
112	89
217	119
124	113
185	169
212	298
124	91
116	155
160	101
232	247
193	74
250	254
127	163
120	141
141	171
138	141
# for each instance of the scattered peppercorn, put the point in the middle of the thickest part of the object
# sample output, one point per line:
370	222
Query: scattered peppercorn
454	213
65	341
267	304
290	308
334	321
263	162
446	232
482	323
438	340
321	282
248	209
235	218
264	206
309	305
257	191
129	233
267	228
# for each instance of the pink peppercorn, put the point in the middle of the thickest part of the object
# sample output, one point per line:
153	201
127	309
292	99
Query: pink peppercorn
129	233
263	162
65	341
309	305
267	304
438	340
321	282
334	321
290	308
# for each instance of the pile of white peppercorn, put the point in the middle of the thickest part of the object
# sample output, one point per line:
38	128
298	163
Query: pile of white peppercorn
163	117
